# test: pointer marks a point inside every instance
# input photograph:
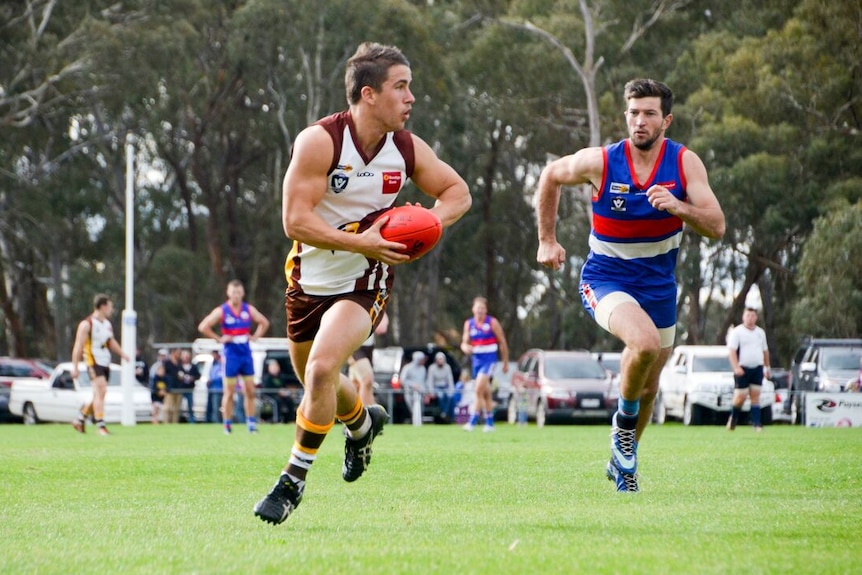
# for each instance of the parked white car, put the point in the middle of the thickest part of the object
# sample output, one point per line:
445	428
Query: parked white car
59	398
696	386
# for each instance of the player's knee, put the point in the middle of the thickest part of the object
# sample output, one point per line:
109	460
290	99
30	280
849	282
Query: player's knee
321	371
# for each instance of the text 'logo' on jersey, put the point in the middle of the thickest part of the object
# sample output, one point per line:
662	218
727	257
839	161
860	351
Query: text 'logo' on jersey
391	182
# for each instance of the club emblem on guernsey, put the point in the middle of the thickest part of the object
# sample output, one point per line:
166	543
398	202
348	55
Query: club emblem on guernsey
338	183
618	204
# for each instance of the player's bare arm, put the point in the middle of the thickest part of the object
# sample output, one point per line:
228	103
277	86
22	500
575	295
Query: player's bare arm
78	349
115	346
207	323
439	180
501	343
304	187
702	211
261	321
582	167
466	348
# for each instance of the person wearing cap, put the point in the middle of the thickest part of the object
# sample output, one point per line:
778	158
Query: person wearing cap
412	378
441	384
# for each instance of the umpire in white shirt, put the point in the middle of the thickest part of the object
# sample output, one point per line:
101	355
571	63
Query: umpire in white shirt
749	357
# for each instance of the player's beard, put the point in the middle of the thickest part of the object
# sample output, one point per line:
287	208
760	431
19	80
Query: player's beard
647	144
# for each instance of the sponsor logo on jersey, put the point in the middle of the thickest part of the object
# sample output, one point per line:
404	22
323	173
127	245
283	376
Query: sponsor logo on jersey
338	183
391	182
365	175
618	204
344	167
618	188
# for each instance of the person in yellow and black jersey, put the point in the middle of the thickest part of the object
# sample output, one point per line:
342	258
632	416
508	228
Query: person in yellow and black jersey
94	342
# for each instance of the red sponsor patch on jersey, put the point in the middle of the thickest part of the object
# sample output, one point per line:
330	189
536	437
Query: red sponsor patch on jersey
391	182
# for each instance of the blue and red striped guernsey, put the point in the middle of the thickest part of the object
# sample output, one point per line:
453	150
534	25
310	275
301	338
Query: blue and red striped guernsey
631	242
483	340
238	326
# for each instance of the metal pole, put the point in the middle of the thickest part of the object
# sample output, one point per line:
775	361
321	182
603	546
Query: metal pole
130	318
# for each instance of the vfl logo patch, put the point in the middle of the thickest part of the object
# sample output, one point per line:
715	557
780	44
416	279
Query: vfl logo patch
618	204
338	183
618	188
391	182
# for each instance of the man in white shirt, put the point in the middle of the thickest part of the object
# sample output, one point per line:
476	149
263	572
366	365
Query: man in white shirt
749	357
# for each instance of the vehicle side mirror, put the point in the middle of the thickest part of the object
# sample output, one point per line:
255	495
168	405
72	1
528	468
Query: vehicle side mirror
679	369
808	366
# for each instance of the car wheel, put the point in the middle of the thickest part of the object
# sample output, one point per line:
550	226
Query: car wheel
512	411
30	417
541	414
693	414
659	411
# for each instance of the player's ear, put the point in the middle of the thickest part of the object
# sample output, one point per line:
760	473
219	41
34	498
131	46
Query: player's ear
666	121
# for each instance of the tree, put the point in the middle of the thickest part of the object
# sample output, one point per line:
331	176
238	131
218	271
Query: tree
830	277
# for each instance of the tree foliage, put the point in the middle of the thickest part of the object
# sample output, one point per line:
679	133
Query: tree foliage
213	95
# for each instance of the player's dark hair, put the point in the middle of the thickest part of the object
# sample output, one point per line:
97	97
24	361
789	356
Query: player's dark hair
648	88
100	299
369	66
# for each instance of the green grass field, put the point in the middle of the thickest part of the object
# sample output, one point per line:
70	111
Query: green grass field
178	499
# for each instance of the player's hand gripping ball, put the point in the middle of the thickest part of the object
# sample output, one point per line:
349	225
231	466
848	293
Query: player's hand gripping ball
414	226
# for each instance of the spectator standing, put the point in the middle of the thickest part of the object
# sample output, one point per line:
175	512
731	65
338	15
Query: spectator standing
215	389
749	357
441	384
174	397
161	358
188	376
158	391
142	370
275	386
413	377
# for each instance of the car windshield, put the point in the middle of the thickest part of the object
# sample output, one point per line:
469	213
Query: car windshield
841	359
706	364
570	368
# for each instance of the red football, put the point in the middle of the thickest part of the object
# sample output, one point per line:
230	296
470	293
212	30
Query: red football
416	227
